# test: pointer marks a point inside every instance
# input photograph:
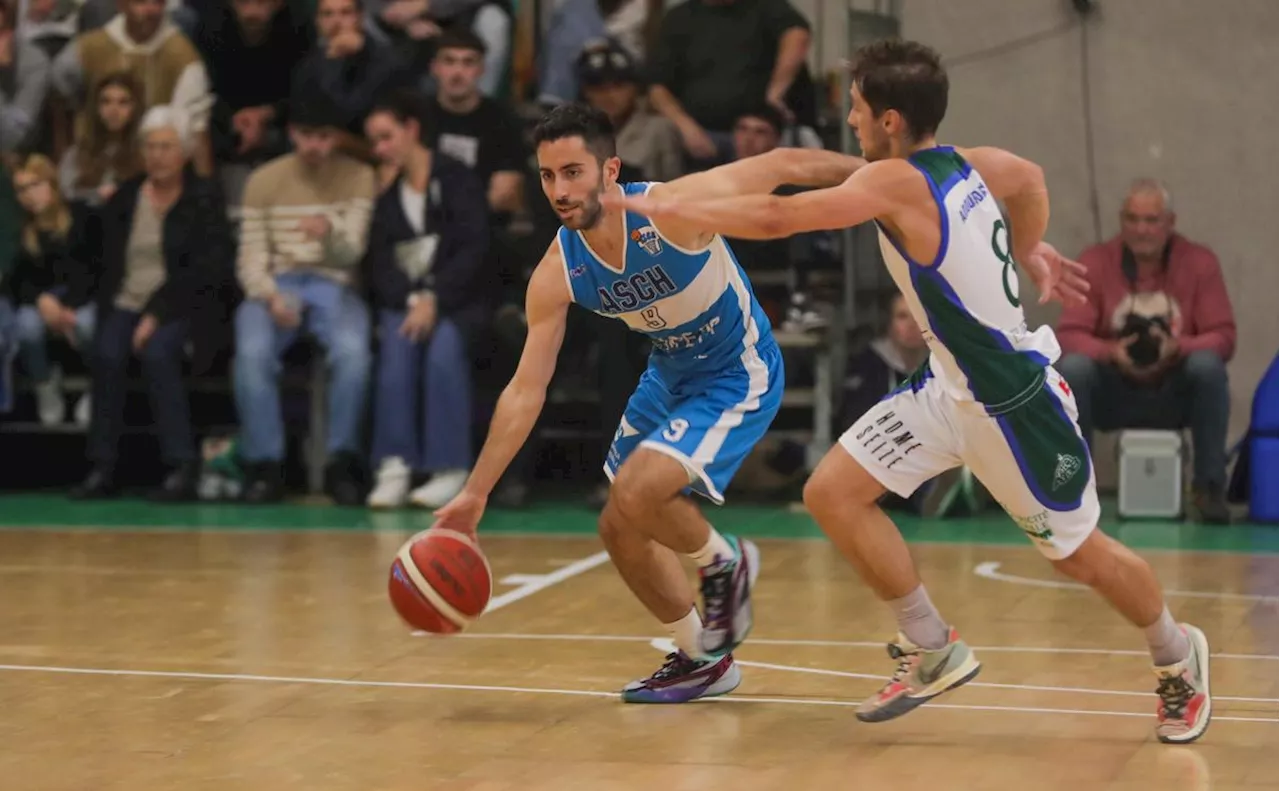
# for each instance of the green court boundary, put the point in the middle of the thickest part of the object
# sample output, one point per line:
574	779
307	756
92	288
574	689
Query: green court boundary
568	518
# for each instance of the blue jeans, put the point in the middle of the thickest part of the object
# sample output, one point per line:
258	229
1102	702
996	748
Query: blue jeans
1192	395
438	371
572	25
32	336
338	320
161	367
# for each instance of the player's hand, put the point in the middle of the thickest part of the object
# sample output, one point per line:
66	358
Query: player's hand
1057	278
462	513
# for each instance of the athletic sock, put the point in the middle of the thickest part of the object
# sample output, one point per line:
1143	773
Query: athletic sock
919	621
687	633
715	551
1166	640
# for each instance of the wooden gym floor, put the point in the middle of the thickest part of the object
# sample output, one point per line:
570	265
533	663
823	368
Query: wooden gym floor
226	648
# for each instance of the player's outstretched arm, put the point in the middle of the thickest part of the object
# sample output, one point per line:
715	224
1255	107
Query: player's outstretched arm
758	175
870	192
764	173
546	309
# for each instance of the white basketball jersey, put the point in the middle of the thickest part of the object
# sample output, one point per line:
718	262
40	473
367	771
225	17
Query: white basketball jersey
967	301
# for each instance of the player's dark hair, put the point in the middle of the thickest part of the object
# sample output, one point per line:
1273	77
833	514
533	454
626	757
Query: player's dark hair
905	76
402	104
578	120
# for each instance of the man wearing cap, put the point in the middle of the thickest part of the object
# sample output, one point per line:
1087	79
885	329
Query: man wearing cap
610	81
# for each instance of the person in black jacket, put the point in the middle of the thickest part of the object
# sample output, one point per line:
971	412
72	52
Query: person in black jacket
425	260
167	278
51	285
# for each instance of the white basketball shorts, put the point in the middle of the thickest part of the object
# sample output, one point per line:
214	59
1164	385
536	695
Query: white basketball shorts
1033	459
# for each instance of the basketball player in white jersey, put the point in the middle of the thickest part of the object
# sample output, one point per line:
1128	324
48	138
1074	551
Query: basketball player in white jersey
987	398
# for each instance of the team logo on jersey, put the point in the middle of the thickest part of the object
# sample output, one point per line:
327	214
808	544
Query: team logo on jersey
647	237
1067	468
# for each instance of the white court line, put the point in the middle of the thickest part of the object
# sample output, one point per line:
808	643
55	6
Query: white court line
1009	649
532	583
666	646
344	682
991	570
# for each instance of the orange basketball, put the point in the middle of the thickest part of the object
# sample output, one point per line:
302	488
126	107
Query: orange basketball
440	581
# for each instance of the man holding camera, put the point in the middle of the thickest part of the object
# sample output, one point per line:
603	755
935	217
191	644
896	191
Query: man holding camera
1149	347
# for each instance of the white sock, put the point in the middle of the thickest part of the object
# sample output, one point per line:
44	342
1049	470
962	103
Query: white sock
715	550
687	633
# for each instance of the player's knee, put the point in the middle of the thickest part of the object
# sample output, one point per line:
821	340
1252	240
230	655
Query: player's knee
833	489
627	502
1082	564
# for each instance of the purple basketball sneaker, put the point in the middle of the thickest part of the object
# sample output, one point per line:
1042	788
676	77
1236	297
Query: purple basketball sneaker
681	679
726	598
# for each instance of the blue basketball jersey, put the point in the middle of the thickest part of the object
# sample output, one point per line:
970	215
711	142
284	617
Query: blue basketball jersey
695	305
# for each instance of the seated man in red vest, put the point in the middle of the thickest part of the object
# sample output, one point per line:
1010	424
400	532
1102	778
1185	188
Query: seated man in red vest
1149	347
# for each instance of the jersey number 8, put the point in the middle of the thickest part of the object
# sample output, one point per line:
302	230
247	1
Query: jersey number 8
652	319
1005	255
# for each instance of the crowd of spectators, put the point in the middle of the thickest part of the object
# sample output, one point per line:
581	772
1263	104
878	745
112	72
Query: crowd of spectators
196	186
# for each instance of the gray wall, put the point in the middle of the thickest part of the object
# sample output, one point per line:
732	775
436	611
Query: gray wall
1182	90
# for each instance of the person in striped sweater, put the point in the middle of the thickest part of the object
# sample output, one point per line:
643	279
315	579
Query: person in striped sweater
305	225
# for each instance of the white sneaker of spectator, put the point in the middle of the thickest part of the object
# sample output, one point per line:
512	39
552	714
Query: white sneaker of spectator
50	405
391	488
443	487
83	412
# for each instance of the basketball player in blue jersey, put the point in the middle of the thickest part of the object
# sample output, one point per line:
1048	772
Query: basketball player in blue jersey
712	387
988	398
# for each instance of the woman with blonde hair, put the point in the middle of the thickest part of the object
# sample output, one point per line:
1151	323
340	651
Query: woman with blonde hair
51	286
106	151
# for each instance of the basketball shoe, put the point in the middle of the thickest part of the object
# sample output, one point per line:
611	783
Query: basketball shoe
1185	706
922	675
726	598
682	679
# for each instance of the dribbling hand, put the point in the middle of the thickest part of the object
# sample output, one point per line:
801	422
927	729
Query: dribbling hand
462	513
1057	278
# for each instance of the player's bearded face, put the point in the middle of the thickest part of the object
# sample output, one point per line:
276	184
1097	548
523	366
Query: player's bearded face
580	208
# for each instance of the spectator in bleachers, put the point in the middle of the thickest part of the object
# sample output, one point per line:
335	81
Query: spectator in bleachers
716	59
164	63
351	69
1149	347
166	252
48	24
24	84
51	285
611	82
480	132
306	222
426	267
574	25
10	231
251	48
875	371
106	150
491	22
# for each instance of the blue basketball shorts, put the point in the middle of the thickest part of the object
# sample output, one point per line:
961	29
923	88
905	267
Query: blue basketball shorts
709	423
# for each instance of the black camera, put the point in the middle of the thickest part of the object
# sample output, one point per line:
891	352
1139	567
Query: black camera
1145	350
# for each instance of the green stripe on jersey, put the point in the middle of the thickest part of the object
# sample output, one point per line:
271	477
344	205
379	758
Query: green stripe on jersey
999	376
